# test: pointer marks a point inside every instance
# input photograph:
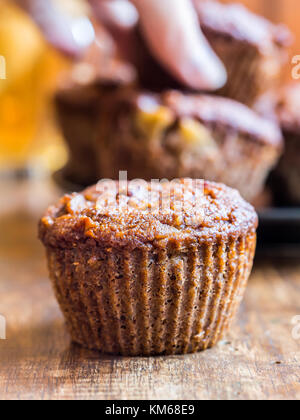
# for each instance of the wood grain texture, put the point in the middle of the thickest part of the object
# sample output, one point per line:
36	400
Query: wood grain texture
259	360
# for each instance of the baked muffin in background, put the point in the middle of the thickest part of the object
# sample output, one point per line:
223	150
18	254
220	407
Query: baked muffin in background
283	106
99	101
78	102
175	135
253	49
135	274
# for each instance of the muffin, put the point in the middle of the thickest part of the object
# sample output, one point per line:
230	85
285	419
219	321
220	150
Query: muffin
79	101
149	269
284	106
253	49
102	134
175	135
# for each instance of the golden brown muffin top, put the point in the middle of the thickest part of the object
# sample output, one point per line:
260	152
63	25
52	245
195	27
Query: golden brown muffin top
236	22
215	112
138	214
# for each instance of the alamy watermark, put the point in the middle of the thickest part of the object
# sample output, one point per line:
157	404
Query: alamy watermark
2	68
184	197
296	67
2	328
296	329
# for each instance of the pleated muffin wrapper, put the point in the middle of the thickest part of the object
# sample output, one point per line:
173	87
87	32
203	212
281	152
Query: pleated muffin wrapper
250	74
152	301
246	81
253	49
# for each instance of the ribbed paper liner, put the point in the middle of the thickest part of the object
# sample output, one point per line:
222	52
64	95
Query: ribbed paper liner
250	171
247	79
151	302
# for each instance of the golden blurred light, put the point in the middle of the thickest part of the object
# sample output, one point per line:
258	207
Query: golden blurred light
27	123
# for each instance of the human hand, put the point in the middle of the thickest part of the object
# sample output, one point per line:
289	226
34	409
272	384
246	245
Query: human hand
170	27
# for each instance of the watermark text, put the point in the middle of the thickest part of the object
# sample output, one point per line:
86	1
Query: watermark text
2	328
296	329
182	197
296	68
2	68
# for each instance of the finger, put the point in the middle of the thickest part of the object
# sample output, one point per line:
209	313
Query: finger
70	35
172	30
116	14
120	17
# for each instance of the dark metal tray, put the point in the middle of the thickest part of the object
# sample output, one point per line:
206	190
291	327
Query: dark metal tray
279	232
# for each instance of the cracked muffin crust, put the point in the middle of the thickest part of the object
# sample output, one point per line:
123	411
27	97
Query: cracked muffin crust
137	275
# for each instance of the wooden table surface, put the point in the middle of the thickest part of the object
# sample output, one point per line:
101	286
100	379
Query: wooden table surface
260	359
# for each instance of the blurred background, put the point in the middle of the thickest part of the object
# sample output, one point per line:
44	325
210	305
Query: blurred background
28	134
29	137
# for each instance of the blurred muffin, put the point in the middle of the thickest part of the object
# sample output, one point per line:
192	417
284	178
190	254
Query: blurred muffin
98	109
137	275
79	102
173	135
252	48
284	106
